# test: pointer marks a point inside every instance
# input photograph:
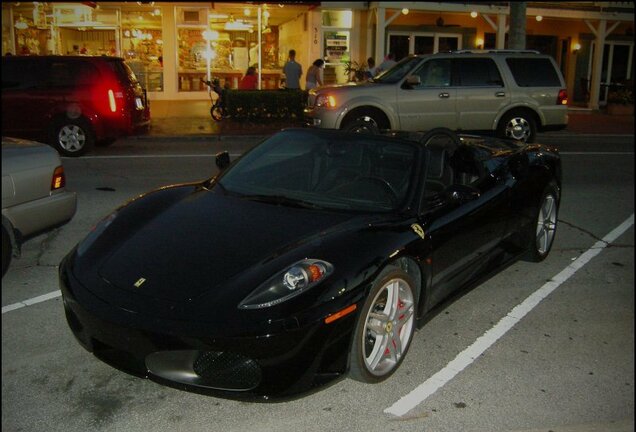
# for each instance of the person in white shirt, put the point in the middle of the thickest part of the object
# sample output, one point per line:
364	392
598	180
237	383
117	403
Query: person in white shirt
314	75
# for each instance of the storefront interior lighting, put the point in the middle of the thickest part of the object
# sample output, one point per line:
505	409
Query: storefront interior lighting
21	23
473	14
210	35
218	16
238	25
247	12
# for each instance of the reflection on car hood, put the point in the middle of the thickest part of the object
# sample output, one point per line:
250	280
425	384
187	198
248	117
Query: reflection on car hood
206	238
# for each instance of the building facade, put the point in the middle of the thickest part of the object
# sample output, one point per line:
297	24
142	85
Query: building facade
171	46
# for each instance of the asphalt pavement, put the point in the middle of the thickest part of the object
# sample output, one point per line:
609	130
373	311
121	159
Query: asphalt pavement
191	119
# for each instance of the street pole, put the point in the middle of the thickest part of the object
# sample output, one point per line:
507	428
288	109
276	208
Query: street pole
517	25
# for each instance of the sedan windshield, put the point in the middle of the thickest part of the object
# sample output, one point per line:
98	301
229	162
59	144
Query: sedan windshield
398	71
333	171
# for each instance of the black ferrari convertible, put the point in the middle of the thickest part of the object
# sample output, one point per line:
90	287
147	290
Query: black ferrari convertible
316	254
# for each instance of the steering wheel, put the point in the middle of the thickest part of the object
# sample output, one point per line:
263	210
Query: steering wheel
393	195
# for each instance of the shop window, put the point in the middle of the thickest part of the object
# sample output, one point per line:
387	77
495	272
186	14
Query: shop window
142	46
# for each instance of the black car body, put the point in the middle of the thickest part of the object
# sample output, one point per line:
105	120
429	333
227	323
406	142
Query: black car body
290	268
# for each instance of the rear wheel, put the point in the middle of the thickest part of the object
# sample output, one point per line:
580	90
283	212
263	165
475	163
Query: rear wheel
518	125
6	251
545	224
73	137
385	327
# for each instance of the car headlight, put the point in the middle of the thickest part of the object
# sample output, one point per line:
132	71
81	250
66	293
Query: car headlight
95	232
287	284
325	100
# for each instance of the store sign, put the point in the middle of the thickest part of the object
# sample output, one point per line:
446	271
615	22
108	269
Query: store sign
336	46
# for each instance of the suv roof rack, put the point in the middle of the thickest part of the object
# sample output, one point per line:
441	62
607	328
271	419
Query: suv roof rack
495	51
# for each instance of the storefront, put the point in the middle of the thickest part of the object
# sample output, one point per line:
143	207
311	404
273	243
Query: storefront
172	46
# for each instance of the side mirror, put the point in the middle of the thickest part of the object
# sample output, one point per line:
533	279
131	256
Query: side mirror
462	193
222	160
413	80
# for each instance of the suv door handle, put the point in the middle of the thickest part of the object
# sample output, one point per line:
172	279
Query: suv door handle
444	95
500	94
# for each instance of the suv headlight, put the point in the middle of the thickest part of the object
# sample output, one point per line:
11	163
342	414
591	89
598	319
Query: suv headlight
326	100
287	284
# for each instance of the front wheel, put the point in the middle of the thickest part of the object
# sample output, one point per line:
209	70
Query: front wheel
545	224
6	251
385	327
73	137
217	112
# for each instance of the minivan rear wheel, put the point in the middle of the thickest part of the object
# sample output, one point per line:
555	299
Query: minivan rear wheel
73	137
518	125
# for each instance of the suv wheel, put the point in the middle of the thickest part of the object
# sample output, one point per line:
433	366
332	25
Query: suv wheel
73	137
364	125
520	126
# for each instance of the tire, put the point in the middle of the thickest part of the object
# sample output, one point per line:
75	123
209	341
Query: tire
7	251
365	126
385	327
543	228
518	125
73	137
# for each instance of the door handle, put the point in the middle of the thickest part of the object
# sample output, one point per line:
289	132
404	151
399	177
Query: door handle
500	94
444	95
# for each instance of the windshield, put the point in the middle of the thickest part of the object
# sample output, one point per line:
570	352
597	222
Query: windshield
332	171
398	71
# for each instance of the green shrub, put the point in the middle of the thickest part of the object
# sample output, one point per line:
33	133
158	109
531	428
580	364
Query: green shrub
265	104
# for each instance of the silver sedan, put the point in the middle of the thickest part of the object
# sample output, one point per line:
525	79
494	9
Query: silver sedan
34	198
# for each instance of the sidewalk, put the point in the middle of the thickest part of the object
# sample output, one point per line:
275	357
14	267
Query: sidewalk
192	118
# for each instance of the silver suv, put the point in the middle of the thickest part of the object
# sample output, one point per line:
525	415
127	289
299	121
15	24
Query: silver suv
514	93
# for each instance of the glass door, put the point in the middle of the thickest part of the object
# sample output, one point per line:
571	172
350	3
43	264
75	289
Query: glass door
617	67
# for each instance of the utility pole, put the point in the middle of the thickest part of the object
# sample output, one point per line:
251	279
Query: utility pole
517	25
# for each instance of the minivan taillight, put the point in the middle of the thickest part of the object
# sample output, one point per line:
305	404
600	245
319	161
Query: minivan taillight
562	99
59	179
111	101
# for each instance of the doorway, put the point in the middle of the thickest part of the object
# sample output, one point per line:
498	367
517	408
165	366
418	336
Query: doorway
617	69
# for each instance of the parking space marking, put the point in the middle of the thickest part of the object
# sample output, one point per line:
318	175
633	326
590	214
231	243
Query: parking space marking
485	341
31	301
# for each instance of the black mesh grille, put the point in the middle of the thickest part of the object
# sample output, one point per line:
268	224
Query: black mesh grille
227	370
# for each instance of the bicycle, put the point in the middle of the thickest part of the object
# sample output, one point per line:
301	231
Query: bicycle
217	110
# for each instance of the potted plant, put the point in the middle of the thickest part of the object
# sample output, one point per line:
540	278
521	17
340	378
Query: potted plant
355	69
620	101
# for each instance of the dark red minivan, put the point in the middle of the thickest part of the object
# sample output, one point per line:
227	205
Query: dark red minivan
71	102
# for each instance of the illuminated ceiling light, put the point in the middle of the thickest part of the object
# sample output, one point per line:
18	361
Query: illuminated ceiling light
237	25
210	35
405	11
266	14
157	12
474	14
280	5
218	16
539	18
247	12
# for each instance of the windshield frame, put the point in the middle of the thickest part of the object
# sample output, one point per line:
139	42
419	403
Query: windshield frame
316	200
399	71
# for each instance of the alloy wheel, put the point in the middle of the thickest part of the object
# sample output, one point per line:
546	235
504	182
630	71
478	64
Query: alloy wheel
388	327
546	224
518	128
71	138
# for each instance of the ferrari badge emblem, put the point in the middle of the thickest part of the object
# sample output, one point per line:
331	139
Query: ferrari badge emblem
418	230
140	282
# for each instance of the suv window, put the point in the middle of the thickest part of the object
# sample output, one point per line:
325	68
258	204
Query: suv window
63	74
533	72
435	73
477	72
398	71
123	72
21	74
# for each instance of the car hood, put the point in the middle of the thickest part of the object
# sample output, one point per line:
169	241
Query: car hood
205	238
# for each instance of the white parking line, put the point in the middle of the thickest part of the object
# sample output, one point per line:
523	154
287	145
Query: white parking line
470	354
31	301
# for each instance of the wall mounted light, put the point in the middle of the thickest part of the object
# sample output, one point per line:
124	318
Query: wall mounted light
479	43
577	47
473	14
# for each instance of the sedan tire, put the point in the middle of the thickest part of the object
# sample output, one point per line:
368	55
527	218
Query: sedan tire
6	251
385	327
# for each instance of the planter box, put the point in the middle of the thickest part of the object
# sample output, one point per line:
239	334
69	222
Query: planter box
619	109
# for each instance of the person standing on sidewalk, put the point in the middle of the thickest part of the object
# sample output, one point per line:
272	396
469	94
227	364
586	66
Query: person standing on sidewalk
292	71
388	63
314	75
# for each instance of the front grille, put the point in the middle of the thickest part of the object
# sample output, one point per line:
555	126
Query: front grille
227	370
